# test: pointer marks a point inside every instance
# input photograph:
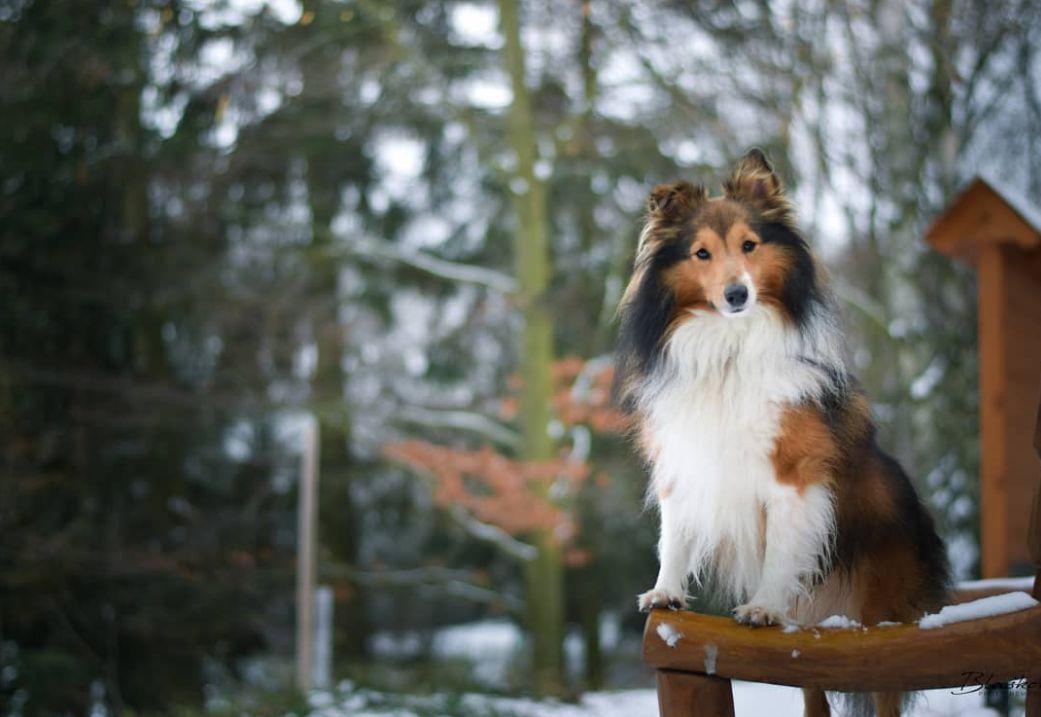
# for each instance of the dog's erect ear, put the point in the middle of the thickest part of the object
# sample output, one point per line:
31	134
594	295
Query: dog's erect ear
755	183
674	201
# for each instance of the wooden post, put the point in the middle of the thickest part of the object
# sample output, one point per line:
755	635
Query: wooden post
688	694
999	233
994	535
1034	542
1034	538
1010	369
307	500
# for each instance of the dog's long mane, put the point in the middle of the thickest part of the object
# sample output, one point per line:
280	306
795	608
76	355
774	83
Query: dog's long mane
648	310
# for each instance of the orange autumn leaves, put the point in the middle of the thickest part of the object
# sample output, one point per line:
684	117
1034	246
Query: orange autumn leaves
519	496
505	492
582	395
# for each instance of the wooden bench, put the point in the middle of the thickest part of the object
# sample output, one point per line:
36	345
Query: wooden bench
696	656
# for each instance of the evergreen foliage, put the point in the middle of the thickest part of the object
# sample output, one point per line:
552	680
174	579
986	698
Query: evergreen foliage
411	222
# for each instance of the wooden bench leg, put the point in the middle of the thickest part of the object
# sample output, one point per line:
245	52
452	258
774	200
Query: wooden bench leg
687	694
1033	695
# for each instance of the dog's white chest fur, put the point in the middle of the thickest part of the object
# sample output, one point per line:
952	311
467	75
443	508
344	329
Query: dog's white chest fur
712	415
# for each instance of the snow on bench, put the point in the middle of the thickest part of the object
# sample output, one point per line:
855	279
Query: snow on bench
669	634
984	607
972	610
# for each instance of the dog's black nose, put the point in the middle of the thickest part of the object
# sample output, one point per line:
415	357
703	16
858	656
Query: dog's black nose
736	295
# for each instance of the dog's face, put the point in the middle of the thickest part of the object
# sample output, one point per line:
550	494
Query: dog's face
728	267
722	254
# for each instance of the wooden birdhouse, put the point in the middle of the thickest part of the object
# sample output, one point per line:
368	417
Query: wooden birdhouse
999	233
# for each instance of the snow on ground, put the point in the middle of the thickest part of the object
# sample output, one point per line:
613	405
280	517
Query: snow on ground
749	699
489	644
492	645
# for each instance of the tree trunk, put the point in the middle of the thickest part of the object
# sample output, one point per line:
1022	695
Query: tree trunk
588	584
130	225
339	534
544	575
589	603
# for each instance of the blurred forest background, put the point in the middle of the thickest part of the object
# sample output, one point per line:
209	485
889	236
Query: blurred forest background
408	224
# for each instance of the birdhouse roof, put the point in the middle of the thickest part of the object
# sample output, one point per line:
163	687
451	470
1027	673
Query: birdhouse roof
986	213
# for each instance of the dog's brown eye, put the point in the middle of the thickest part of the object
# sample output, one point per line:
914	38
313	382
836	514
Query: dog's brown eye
703	254
748	246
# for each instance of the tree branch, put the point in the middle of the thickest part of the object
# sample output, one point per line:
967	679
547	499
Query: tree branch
462	420
864	303
476	593
458	583
450	270
485	531
494	535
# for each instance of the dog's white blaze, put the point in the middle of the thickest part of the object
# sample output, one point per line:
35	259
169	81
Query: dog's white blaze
713	410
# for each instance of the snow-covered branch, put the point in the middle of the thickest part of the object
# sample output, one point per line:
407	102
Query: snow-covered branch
458	583
583	383
461	420
397	578
485	531
476	593
451	270
491	534
862	302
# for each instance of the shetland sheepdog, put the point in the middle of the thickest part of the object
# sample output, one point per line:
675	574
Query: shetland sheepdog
761	447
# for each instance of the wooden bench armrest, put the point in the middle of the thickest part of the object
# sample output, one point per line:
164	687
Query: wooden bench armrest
899	657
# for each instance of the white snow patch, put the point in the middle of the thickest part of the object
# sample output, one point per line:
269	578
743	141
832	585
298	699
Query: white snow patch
984	607
320	700
1024	206
489	91
285	11
400	155
711	653
750	698
491	645
838	622
476	25
668	633
478	640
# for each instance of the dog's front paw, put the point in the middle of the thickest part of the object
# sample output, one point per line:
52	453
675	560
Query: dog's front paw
660	598
759	615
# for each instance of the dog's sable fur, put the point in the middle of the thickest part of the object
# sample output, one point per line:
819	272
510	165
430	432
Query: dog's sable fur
761	448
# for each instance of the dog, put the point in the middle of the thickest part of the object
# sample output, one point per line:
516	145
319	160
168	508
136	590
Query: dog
761	448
